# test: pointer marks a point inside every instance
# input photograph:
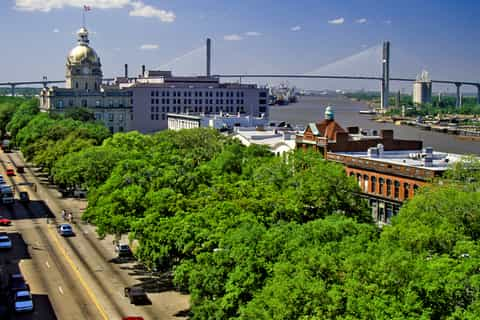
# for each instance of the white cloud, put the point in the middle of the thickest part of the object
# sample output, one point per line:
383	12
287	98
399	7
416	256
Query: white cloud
361	20
340	20
47	5
149	46
142	10
296	28
138	8
232	37
56	30
253	34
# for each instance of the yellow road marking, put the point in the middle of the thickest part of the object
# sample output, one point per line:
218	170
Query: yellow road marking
77	273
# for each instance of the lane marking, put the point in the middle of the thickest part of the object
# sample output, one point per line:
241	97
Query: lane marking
46	263
60	289
77	273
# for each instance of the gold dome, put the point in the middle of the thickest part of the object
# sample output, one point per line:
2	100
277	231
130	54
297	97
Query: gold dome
81	54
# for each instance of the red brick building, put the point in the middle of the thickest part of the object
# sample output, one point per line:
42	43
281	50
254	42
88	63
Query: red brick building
388	170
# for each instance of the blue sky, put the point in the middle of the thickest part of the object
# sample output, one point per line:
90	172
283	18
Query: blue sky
249	36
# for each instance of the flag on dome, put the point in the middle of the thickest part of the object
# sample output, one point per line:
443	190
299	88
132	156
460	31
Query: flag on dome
87	8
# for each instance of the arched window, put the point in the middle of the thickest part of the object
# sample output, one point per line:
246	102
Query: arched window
415	189
406	190
373	184
389	188
396	192
381	183
365	183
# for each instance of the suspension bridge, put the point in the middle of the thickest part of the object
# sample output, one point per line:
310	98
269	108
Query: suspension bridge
384	79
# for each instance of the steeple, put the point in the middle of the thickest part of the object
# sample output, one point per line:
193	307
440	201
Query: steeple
83	36
329	115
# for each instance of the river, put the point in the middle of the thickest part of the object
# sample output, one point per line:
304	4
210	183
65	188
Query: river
311	109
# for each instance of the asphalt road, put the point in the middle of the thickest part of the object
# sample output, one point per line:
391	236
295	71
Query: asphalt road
77	277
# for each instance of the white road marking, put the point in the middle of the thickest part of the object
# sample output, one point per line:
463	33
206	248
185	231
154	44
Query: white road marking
60	289
46	263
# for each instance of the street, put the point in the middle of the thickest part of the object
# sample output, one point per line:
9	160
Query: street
77	277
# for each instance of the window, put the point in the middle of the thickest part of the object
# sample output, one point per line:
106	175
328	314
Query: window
98	116
381	182
120	117
120	129
359	180
389	188
84	103
415	189
152	117
396	190
110	117
152	93
156	116
152	109
406	190
263	94
365	183
373	184
86	85
76	85
97	103
60	104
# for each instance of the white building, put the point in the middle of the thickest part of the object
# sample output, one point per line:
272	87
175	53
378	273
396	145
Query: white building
219	121
278	140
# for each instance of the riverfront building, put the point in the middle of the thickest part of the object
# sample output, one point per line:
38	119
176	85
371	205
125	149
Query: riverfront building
155	94
422	89
389	171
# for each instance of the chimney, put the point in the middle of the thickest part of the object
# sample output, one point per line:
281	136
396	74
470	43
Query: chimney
126	70
208	56
143	70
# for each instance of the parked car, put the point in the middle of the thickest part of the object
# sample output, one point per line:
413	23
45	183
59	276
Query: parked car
16	282
10	172
136	295
65	230
5	222
22	301
5	242
24	197
123	250
132	318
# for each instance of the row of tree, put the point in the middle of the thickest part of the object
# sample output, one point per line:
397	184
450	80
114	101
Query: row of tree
253	236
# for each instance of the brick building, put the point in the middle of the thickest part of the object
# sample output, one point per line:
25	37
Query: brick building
388	170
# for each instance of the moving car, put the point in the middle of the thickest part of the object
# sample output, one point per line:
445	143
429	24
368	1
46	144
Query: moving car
5	222
24	197
136	295
10	172
65	230
5	242
123	250
22	301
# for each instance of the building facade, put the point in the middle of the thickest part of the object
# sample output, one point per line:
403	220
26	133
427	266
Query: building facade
84	88
389	178
422	89
157	94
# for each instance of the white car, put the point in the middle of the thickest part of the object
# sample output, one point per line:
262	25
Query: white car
22	301
5	242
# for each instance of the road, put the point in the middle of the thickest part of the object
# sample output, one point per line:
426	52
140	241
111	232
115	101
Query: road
77	277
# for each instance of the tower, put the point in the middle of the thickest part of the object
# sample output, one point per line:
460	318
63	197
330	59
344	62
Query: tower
83	68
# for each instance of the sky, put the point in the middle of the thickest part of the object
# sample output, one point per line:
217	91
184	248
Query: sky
249	36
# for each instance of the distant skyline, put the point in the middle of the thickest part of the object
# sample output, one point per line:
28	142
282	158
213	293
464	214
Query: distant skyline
248	37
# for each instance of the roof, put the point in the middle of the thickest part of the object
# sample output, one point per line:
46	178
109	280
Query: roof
326	128
412	158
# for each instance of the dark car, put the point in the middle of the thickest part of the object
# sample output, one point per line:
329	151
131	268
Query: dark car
136	295
10	172
16	282
123	250
24	197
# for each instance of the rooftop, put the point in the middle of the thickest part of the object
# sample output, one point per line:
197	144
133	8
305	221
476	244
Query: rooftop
440	161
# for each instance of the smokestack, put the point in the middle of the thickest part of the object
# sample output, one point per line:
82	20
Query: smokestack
126	70
208	56
143	70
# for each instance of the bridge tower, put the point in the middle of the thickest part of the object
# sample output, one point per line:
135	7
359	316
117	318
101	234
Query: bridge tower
384	92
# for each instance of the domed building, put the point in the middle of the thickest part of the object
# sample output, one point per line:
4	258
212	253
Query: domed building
84	88
84	70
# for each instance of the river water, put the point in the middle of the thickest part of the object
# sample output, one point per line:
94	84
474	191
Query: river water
312	108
